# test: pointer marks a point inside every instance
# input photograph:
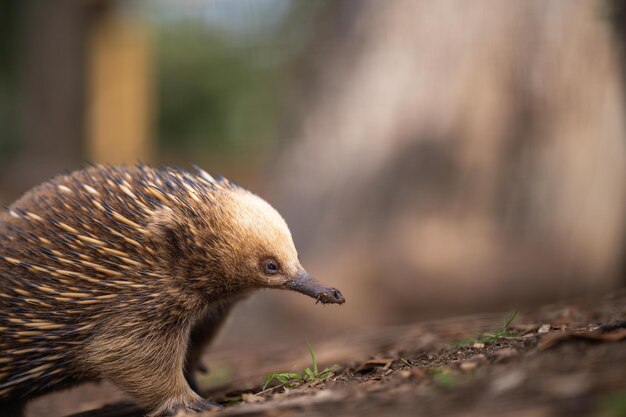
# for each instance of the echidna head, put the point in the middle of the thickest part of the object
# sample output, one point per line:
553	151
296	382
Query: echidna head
237	244
263	251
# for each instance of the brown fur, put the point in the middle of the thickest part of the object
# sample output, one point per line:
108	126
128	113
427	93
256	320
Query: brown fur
105	272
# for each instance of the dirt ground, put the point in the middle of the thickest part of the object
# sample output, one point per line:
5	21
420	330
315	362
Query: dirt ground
559	360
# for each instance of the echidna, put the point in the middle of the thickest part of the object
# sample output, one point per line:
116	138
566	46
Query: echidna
105	272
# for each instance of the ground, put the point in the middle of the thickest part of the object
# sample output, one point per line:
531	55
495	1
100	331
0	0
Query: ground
563	360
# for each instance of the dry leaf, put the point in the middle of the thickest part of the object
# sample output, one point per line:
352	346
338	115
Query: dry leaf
252	398
375	363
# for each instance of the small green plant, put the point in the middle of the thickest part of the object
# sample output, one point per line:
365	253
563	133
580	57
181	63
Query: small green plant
504	331
443	378
290	379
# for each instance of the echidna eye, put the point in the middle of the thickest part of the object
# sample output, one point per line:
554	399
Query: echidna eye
270	266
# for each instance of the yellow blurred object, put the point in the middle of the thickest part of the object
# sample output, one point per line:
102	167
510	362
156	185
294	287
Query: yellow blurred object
119	91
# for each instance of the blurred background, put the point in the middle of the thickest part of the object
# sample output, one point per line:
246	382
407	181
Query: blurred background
431	157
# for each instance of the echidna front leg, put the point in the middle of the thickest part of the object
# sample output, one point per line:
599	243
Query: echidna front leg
187	402
202	334
150	372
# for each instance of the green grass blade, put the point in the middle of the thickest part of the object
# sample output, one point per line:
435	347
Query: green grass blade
325	374
268	379
507	324
282	378
308	345
311	376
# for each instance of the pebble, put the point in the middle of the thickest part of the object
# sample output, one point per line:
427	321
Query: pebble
468	366
545	328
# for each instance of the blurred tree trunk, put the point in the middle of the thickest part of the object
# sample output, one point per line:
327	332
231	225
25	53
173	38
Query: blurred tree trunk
85	90
52	62
455	155
618	14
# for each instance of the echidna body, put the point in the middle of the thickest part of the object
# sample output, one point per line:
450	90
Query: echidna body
105	272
